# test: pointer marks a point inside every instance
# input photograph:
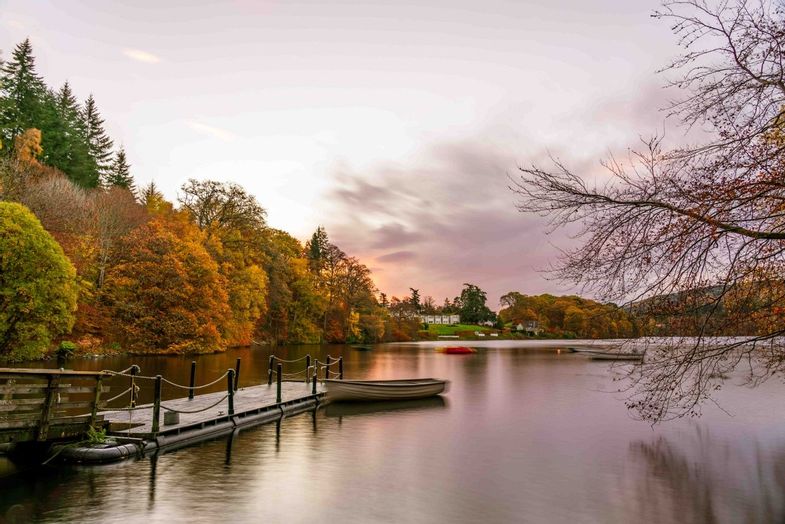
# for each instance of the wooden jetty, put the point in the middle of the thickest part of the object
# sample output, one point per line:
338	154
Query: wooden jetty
138	430
37	405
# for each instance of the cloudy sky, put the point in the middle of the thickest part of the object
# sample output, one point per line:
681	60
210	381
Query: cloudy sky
395	124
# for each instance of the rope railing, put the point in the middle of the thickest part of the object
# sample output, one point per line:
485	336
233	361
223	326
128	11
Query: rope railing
187	412
279	359
216	381
310	373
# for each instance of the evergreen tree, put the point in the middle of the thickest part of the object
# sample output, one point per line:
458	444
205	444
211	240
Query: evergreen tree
315	249
99	145
119	173
21	94
69	151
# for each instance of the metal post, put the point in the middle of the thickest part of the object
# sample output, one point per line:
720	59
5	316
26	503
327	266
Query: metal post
270	370
134	371
157	404
193	380
327	369
237	374
230	384
315	377
340	368
307	366
278	382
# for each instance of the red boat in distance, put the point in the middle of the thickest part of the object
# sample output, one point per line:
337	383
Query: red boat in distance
457	350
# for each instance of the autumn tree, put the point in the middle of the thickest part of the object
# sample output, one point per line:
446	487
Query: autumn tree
38	288
708	216
166	292
235	226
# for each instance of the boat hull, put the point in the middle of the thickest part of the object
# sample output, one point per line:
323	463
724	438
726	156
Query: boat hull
616	356
378	390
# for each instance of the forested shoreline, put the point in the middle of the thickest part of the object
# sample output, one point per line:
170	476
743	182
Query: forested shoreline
96	264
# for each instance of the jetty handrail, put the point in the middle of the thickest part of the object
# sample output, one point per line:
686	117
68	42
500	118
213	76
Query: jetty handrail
34	418
271	371
279	359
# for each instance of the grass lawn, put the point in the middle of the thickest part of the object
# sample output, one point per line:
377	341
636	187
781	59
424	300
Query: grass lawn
439	329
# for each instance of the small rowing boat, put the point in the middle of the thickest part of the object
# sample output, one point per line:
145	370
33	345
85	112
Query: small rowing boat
377	390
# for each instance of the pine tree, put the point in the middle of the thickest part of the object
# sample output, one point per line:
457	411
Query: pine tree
98	143
119	173
22	94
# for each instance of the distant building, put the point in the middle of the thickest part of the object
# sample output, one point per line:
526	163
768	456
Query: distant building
531	327
441	319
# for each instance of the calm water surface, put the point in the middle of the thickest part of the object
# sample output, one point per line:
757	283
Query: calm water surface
523	435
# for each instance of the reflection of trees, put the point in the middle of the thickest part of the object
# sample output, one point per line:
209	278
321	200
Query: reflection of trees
707	480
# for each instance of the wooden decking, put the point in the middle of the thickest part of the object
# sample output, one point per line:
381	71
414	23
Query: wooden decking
248	401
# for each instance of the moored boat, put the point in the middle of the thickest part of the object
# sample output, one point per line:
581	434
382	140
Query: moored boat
377	390
616	356
457	350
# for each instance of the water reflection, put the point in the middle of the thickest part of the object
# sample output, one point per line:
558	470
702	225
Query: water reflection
706	479
349	409
522	436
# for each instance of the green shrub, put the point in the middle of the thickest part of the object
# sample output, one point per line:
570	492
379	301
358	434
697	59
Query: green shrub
38	287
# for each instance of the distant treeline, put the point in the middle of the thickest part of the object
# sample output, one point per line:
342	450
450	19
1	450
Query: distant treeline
569	316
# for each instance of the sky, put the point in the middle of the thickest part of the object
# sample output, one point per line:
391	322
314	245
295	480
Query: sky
396	125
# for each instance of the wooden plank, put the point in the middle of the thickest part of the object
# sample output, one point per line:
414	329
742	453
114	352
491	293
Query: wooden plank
18	424
27	372
23	415
23	388
21	404
69	405
86	389
43	428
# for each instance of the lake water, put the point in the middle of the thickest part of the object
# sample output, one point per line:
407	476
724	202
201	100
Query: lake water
525	434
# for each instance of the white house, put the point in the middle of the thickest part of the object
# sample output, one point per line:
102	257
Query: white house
440	319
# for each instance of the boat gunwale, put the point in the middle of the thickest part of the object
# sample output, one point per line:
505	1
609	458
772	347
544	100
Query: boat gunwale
391	383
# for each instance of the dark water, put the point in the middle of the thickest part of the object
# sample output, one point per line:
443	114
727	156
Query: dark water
523	435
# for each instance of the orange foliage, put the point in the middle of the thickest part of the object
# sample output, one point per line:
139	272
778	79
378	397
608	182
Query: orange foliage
166	292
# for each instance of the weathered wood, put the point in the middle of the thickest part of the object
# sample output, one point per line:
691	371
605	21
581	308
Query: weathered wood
237	374
73	405
340	368
192	383
270	363
96	400
247	399
51	397
327	368
279	379
230	387
27	372
315	379
134	371
23	389
10	403
157	404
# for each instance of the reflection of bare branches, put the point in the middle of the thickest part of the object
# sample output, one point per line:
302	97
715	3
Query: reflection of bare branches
706	480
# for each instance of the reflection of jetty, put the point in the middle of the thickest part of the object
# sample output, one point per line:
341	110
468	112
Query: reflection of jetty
137	430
